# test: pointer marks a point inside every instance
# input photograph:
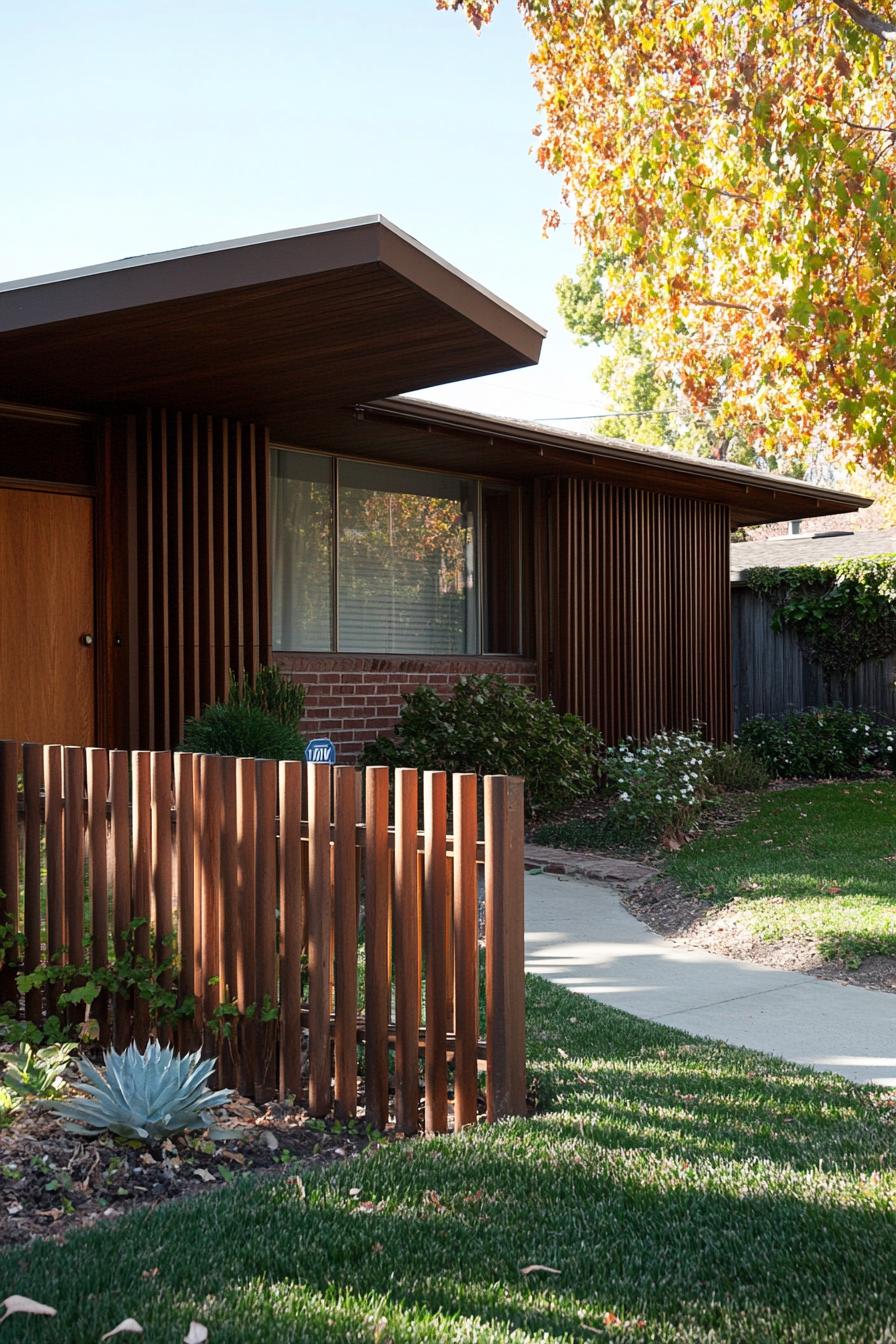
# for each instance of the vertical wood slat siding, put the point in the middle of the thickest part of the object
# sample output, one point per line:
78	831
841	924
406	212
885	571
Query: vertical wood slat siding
640	609
198	588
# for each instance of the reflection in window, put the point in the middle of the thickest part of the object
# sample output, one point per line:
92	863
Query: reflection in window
406	579
302	527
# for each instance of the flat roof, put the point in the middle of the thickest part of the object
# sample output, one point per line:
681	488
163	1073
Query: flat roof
257	327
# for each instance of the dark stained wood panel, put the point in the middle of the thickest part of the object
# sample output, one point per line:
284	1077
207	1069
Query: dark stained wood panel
196	556
260	352
638	609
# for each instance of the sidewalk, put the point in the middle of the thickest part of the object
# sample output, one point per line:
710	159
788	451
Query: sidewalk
579	935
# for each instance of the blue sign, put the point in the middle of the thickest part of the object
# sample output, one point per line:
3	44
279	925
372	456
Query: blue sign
320	751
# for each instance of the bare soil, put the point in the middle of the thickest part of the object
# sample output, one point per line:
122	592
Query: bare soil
52	1181
663	907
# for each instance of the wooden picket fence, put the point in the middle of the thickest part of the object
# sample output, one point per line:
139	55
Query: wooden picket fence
259	876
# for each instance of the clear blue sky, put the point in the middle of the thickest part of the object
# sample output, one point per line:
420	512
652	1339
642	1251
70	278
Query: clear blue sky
134	126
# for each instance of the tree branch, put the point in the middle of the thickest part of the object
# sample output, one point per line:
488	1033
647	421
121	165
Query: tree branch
872	23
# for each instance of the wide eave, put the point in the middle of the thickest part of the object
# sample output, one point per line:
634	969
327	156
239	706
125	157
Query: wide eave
261	328
404	429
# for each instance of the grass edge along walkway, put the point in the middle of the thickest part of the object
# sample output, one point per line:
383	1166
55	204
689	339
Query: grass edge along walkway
684	1190
817	861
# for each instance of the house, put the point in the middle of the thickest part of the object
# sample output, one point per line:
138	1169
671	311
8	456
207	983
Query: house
771	674
208	460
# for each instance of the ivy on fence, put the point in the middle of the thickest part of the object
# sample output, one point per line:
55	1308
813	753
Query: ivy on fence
842	611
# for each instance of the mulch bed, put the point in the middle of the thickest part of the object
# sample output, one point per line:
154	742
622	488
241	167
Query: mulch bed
52	1181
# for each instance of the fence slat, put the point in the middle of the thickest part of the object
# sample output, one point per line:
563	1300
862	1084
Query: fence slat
211	777
346	940
73	860
98	874
141	820
435	930
230	923
122	889
376	946
162	865
9	860
244	983
407	961
33	779
319	928
291	921
466	951
185	889
53	833
198	978
505	951
265	927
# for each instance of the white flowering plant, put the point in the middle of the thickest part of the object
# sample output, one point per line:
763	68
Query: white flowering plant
660	786
821	743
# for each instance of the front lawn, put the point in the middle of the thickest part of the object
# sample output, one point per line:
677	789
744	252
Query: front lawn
817	863
681	1190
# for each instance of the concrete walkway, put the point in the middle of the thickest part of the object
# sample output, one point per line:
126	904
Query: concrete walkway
579	935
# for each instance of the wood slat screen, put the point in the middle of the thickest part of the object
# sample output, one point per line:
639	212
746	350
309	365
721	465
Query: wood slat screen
198	589
639	616
258	888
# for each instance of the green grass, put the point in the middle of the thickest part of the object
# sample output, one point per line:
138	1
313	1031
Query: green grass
714	1194
816	862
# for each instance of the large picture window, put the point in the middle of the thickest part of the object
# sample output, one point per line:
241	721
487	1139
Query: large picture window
369	558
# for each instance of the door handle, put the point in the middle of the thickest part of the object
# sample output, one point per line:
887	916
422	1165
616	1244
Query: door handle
87	639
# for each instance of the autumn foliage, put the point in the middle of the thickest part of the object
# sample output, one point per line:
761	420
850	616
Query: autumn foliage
732	167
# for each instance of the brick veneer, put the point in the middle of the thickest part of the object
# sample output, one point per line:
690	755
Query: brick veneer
353	698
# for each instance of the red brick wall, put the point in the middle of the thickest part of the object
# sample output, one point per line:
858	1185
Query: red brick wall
354	698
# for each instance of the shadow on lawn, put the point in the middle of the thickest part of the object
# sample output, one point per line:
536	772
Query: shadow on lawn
689	1258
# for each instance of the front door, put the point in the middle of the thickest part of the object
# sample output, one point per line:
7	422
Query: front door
47	635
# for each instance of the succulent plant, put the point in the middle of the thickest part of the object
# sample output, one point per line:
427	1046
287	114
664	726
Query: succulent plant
38	1073
147	1096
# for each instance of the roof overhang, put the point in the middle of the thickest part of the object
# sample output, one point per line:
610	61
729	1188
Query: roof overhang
407	430
259	327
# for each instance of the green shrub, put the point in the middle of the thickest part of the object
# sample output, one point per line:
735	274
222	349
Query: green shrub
659	787
734	768
242	730
490	727
820	744
577	833
271	692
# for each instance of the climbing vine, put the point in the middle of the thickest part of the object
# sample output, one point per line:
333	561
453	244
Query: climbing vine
842	611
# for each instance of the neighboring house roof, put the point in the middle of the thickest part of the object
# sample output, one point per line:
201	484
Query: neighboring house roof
258	328
516	447
808	548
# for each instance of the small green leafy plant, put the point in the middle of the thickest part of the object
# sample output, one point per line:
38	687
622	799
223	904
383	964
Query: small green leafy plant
659	787
242	730
833	743
491	727
38	1072
144	1095
734	768
129	973
271	692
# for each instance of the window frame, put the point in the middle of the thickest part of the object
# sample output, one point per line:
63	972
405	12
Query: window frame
515	488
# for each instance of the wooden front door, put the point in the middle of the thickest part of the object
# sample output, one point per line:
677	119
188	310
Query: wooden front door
47	632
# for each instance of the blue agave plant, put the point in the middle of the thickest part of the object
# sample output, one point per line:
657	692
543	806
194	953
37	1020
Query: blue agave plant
145	1095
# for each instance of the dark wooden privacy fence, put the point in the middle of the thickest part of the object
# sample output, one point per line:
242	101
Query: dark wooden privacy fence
772	675
260	876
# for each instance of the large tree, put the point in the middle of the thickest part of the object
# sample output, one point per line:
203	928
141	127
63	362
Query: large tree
731	169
